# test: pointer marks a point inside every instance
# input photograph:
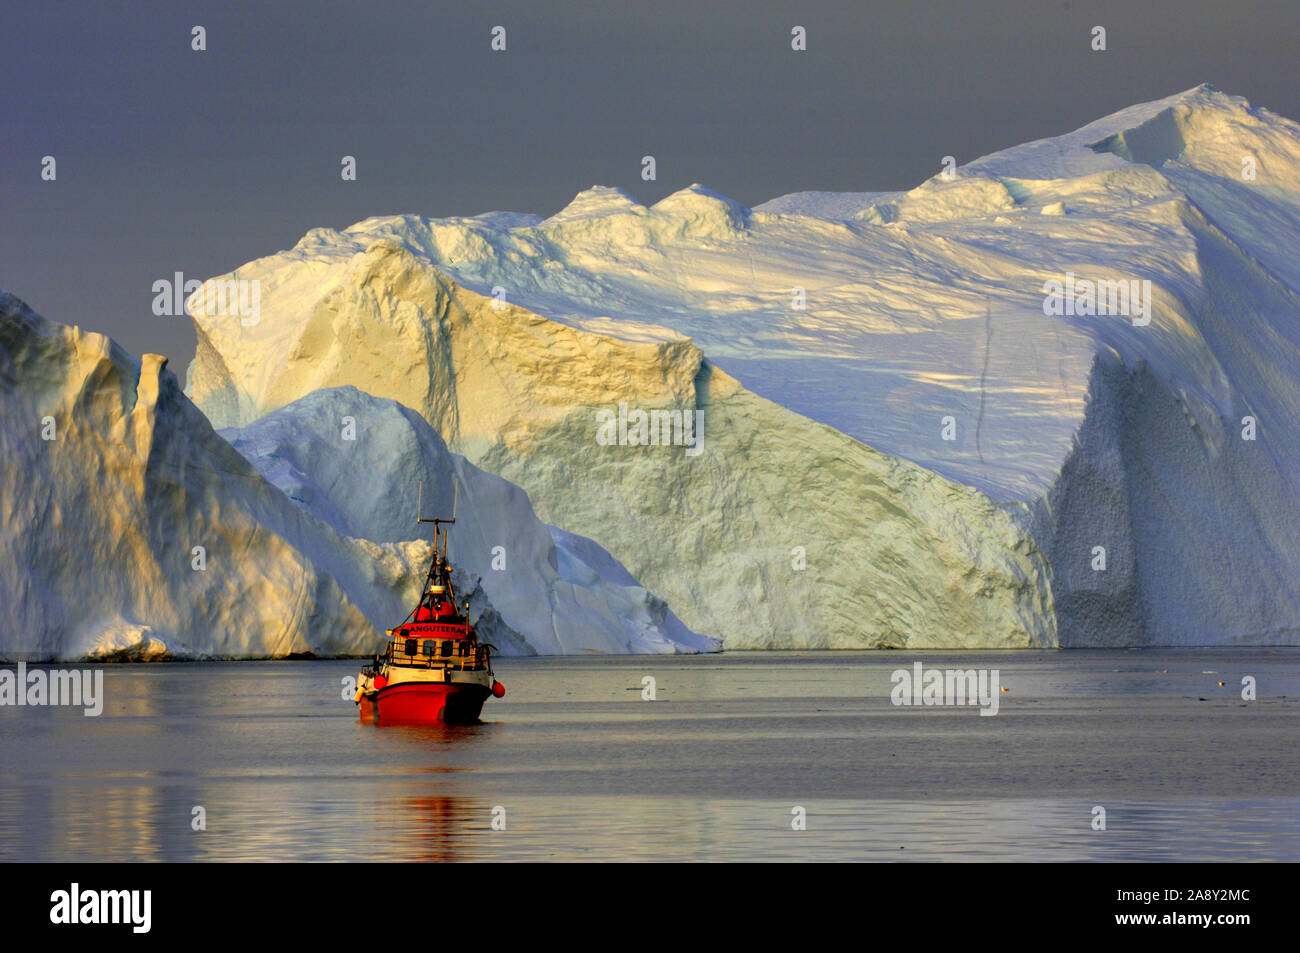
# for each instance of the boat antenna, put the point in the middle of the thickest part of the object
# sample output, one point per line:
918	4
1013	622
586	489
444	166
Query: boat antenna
439	521
419	507
455	502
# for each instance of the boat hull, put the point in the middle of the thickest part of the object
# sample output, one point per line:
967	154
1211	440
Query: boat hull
424	702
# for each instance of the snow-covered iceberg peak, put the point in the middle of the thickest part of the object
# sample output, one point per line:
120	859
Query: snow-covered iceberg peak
1202	126
597	202
703	212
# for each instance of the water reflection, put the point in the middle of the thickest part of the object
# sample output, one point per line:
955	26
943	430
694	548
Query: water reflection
284	769
435	829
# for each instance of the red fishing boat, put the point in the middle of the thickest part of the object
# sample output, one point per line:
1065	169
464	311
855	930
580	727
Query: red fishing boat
433	667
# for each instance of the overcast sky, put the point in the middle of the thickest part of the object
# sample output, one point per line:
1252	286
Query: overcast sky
174	160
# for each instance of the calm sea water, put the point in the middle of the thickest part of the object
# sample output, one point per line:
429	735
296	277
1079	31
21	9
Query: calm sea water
580	767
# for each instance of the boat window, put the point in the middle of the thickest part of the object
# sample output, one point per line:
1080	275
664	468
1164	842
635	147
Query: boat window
410	646
430	647
447	647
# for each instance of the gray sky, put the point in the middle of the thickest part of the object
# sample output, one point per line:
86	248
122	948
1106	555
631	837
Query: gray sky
172	160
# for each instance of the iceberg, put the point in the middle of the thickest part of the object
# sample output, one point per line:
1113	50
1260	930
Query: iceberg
130	529
903	448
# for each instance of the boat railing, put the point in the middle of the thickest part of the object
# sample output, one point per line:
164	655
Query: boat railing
454	654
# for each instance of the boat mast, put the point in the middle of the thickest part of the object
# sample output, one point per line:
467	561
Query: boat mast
438	568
